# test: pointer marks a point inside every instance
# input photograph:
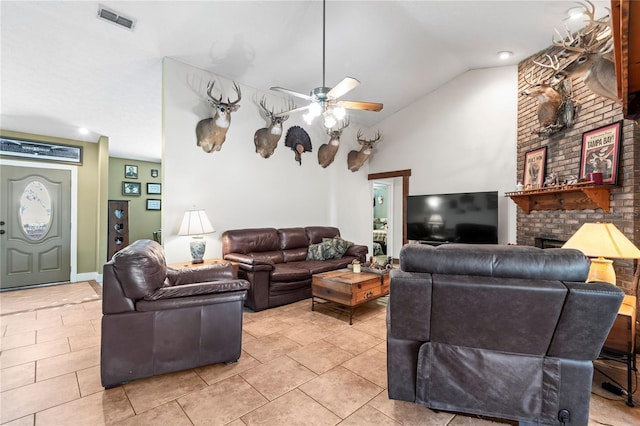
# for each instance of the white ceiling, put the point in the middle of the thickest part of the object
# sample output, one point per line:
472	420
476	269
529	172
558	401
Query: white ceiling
62	68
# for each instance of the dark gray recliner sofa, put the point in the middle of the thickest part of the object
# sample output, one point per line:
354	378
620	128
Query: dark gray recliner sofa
502	331
158	321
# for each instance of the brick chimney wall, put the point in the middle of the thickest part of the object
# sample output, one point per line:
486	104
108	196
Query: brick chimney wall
563	157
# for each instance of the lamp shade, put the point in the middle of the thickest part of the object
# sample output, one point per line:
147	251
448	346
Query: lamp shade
602	240
195	222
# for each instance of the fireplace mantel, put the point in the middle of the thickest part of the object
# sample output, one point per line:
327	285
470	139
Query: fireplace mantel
563	198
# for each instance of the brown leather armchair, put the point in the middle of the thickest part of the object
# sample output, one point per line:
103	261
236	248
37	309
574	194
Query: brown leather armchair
501	331
158	321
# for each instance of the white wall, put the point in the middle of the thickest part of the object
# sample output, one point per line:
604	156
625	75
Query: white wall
460	138
236	186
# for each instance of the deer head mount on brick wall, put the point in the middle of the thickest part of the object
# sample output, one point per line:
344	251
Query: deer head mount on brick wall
556	108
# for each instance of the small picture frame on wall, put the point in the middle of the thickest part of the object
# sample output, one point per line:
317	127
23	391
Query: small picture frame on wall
131	188
153	204
154	188
154	173
130	171
601	152
535	162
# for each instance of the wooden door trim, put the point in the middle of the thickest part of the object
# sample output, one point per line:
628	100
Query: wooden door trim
404	174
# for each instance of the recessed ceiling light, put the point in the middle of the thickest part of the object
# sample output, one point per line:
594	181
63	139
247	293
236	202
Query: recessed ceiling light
83	130
505	54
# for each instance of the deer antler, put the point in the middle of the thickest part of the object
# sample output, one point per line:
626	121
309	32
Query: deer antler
213	101
236	88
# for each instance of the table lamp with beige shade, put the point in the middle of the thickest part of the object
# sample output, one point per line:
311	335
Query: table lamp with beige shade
602	242
196	223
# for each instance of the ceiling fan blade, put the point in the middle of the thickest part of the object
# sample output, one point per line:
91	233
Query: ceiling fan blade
292	110
292	93
347	84
369	106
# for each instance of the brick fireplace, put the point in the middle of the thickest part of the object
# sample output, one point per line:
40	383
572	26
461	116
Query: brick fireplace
563	158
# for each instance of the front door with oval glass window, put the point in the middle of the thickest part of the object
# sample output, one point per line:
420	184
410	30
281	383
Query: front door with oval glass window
35	226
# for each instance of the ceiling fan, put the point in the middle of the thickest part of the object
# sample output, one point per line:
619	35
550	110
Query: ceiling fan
324	100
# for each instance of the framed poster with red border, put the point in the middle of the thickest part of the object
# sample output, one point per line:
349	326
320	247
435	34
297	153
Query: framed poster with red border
601	152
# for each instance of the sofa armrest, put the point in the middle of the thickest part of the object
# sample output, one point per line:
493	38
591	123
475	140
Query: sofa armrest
186	302
248	263
410	305
200	274
358	251
195	289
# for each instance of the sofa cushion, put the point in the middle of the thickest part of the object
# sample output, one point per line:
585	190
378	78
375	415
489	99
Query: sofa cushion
292	238
140	267
286	272
269	257
295	255
250	240
315	234
318	266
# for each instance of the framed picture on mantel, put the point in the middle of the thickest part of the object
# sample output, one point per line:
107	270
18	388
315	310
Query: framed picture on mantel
535	162
601	151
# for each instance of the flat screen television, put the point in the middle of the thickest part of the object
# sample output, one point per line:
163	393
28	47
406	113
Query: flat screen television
470	217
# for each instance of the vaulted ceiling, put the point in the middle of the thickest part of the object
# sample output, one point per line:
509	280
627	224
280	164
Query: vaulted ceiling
62	67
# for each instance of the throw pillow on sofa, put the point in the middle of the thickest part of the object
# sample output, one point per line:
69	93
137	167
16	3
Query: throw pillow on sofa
322	251
341	246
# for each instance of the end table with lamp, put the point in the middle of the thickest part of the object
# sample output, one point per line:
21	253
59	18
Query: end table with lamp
602	242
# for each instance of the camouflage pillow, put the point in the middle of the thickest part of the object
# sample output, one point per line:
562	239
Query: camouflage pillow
340	245
322	251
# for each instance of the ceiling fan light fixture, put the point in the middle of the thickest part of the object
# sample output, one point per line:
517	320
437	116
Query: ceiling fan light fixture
329	121
339	112
315	109
308	118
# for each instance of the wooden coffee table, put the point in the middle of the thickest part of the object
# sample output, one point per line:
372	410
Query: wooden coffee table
348	289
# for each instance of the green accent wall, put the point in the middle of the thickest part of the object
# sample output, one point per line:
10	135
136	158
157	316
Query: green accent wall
142	222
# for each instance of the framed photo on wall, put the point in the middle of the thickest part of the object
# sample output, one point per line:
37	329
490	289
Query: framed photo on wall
131	188
154	204
154	188
601	152
130	171
535	162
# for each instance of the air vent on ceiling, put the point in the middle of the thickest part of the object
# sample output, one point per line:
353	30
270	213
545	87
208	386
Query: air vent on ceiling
116	18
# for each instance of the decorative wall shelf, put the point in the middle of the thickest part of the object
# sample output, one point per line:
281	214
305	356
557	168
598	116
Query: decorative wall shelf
565	197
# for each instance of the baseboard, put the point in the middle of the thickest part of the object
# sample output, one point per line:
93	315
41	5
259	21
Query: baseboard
88	276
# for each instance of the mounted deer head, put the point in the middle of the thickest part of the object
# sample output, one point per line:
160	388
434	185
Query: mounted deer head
211	132
549	99
355	159
591	60
266	139
327	152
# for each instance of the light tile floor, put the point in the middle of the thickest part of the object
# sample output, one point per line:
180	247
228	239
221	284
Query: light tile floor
297	367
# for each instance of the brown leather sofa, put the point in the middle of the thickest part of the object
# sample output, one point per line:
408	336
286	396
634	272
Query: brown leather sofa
501	331
275	261
158	320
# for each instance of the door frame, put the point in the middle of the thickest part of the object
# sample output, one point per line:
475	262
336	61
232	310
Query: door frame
73	249
404	174
391	224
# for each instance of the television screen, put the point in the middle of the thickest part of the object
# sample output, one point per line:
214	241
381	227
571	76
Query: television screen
470	217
